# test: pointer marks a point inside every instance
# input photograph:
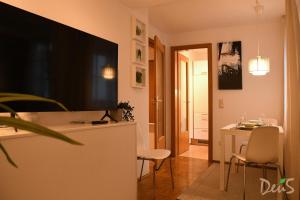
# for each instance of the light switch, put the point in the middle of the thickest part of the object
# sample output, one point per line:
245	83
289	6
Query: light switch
221	103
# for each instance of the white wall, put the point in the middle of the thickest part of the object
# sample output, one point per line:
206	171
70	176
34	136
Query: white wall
108	19
260	95
200	100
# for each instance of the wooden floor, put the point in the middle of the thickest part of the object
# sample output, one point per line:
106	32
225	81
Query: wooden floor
196	151
186	171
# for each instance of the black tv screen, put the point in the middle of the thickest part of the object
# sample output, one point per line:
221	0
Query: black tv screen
42	57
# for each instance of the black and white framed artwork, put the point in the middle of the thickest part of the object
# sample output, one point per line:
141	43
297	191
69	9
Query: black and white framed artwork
230	65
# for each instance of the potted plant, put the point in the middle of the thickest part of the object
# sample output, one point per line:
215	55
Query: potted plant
124	112
117	114
16	122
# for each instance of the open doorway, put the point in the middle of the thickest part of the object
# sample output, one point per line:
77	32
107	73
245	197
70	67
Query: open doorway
192	101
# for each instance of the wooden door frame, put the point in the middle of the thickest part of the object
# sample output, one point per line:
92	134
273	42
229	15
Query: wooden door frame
175	101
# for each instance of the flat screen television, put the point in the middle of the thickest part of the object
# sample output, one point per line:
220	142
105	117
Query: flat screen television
42	57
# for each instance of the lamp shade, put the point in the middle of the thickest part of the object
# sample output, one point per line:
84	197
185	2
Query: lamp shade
259	66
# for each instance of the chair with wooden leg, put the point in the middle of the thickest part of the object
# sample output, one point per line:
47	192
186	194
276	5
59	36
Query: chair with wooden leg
262	149
158	157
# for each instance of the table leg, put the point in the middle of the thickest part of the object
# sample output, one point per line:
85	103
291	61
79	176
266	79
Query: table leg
222	160
233	142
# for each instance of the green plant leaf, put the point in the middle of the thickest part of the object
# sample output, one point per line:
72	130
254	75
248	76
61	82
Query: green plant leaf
25	125
8	109
7	156
11	97
282	181
35	128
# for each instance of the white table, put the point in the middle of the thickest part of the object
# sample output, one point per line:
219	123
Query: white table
230	130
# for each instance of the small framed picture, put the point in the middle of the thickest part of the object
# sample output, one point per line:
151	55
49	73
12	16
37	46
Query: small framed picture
138	76
138	53
138	29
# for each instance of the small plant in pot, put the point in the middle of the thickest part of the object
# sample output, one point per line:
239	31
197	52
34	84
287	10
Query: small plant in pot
124	112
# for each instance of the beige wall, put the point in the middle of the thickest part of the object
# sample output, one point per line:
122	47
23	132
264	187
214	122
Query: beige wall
260	95
108	19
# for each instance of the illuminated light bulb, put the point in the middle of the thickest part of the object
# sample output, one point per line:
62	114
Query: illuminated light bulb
259	66
108	72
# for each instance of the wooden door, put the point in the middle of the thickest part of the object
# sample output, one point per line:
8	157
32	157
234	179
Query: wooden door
157	93
183	136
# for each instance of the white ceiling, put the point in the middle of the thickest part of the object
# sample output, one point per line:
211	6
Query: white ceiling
174	16
144	3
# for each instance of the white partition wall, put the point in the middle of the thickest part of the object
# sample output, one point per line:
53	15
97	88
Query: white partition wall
104	168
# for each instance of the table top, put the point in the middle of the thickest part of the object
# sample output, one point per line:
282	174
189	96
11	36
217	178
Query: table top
231	128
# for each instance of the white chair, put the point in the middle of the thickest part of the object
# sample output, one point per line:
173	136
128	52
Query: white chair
267	121
262	150
157	156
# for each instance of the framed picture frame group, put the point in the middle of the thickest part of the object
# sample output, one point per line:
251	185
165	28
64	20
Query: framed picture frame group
138	53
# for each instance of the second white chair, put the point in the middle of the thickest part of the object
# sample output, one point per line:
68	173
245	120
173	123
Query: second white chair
158	157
